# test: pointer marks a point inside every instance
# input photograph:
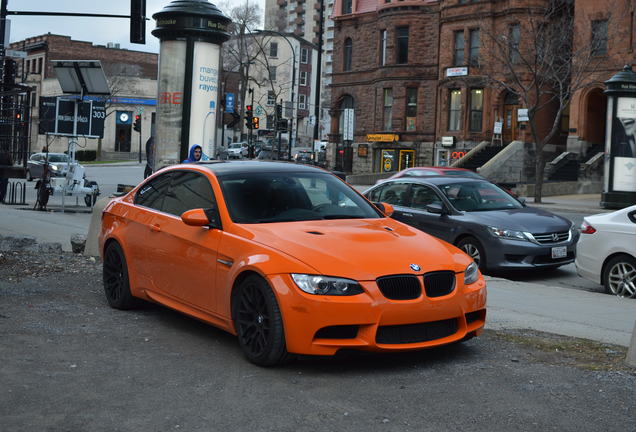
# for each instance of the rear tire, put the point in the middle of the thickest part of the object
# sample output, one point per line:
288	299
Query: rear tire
619	276
258	323
115	276
473	248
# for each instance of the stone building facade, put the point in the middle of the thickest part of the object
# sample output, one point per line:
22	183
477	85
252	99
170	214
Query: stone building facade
132	77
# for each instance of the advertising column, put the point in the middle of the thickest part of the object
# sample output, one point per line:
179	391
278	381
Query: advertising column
191	34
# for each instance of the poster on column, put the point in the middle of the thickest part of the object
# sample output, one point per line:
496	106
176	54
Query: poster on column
624	145
205	90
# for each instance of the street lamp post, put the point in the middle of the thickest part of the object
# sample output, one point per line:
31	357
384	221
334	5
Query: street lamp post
291	132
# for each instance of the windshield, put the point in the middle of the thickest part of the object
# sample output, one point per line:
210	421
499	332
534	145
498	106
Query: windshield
236	145
478	196
288	197
58	158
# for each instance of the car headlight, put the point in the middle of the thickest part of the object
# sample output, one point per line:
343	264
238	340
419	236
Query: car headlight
54	167
508	234
471	274
326	285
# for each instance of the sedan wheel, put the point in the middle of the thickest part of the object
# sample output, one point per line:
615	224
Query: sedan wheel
115	276
473	249
620	276
258	322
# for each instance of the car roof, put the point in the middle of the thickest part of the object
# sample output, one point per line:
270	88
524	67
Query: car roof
437	180
221	168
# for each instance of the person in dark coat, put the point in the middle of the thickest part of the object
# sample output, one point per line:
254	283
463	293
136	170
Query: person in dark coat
150	157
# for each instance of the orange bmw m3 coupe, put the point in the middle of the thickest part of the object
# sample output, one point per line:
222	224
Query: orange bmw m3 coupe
289	258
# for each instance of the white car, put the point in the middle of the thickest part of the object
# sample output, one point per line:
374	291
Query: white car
606	251
237	150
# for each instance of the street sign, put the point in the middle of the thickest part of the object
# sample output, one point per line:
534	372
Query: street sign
348	124
522	114
229	103
57	116
497	128
140	110
16	54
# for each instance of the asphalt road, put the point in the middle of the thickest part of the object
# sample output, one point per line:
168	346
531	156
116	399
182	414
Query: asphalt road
70	363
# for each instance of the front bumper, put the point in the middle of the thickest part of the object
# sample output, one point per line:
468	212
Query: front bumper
503	254
322	325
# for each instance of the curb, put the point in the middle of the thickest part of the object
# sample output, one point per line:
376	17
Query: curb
28	244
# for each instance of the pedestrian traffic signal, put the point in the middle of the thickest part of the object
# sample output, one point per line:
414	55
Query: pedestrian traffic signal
248	116
137	123
138	21
255	121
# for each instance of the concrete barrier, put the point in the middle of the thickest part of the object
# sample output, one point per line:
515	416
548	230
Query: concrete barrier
631	352
95	226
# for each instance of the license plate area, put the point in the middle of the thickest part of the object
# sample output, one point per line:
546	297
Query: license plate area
559	252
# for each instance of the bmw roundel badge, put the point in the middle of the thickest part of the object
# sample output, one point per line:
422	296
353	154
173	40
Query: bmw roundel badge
415	267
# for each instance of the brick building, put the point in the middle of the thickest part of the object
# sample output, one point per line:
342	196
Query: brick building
383	49
132	76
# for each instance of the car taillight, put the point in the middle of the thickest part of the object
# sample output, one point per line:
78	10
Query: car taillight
586	228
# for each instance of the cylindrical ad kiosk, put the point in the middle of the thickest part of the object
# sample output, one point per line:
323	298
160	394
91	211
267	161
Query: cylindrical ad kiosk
619	187
191	34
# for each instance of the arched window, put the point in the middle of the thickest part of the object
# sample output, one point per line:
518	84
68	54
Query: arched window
347	54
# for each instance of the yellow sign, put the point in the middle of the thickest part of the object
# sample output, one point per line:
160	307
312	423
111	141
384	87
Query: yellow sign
382	137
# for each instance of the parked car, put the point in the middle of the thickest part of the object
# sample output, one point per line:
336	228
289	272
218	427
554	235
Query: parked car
303	155
58	165
237	150
495	229
606	251
286	257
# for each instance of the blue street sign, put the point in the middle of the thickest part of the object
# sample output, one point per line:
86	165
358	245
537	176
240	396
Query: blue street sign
229	102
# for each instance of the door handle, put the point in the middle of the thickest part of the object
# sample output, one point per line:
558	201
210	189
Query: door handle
155	228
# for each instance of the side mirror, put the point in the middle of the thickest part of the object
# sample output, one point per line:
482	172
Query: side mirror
522	200
385	208
435	208
201	217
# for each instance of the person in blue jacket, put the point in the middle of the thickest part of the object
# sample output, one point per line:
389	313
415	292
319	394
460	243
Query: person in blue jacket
196	154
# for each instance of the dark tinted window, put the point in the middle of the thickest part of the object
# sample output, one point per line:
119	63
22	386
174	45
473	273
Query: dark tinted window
394	194
189	190
421	196
151	194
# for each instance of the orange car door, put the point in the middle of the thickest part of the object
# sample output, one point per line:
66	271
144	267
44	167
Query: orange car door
187	266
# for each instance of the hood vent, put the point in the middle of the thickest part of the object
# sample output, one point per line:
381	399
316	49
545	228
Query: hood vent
315	232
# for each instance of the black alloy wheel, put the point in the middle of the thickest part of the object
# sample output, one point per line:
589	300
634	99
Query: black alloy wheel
474	249
115	276
258	323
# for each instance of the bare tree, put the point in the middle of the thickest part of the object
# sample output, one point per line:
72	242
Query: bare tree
541	64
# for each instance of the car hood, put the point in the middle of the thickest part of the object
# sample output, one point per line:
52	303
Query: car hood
529	219
360	249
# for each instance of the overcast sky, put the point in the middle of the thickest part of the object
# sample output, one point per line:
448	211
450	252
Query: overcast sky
96	30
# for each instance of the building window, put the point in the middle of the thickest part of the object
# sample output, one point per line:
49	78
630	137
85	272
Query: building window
476	109
513	38
454	106
271	97
348	52
458	53
303	78
599	38
474	46
411	108
346	6
273	49
304	55
301	101
402	35
383	39
388	108
272	73
270	122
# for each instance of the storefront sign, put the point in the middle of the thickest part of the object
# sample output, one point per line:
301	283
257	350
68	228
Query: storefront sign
497	128
457	71
448	141
522	114
382	137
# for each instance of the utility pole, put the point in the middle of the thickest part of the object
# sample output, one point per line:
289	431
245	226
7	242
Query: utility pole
250	150
321	22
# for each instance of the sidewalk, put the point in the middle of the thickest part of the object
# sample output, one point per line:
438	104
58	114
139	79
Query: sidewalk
582	203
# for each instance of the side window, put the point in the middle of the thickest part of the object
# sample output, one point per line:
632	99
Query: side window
189	190
423	196
151	194
394	194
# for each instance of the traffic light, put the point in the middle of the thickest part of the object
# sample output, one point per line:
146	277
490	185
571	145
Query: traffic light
137	123
255	121
248	116
138	21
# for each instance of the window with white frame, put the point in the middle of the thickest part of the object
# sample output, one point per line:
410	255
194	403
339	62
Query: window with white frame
304	55
301	101
303	78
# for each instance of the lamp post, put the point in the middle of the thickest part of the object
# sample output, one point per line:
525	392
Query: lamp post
291	132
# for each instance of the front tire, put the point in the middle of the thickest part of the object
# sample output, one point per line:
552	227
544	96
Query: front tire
115	276
473	248
619	277
258	322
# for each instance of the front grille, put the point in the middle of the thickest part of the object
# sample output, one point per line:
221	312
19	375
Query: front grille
414	333
547	259
552	237
440	283
400	287
337	332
